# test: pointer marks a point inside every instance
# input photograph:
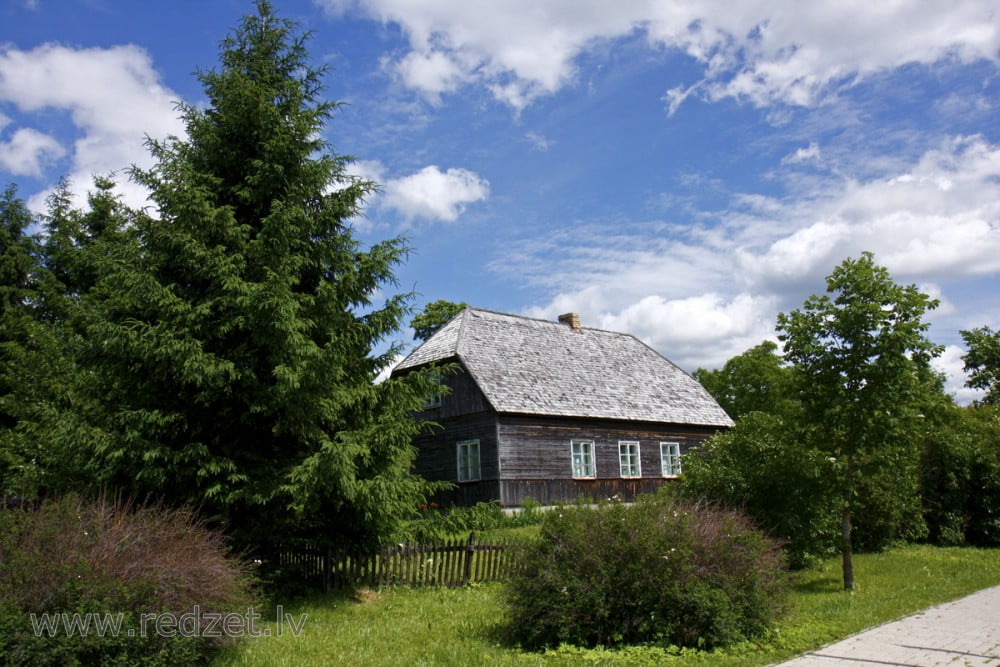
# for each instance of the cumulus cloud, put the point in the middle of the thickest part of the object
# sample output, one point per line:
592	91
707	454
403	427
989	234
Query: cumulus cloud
701	294
429	194
950	364
27	151
114	97
942	216
433	194
763	52
431	73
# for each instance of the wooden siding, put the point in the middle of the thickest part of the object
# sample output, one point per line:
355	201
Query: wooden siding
464	397
515	492
464	414
526	456
437	457
537	448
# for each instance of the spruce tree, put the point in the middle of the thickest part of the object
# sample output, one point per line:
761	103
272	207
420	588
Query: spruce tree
18	258
233	342
47	403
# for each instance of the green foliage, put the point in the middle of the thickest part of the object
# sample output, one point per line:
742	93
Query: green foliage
982	361
861	361
766	468
229	340
18	259
859	355
435	523
960	476
104	557
48	399
434	316
663	571
756	381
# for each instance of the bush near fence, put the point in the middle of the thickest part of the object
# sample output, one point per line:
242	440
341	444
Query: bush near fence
450	562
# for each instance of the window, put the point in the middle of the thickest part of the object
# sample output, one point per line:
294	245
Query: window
628	458
468	461
434	399
670	458
583	458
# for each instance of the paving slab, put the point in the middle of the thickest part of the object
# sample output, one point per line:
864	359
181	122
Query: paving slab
959	633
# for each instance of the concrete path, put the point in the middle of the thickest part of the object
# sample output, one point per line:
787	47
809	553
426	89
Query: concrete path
959	633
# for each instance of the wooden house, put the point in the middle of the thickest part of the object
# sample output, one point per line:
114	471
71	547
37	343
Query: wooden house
553	410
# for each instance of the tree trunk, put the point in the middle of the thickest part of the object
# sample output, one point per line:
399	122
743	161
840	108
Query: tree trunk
845	529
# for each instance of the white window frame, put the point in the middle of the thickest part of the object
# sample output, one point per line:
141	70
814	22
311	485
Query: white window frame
464	461
581	459
626	472
670	459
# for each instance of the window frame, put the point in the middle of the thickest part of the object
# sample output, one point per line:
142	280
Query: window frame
588	459
622	445
670	459
466	460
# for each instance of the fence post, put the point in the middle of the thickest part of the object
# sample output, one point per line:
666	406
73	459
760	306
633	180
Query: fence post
327	564
469	550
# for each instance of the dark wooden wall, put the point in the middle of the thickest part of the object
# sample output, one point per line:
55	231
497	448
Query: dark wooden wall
514	493
524	456
464	397
464	414
534	447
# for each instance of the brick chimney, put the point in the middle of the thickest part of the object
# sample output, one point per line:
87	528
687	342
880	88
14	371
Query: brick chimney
570	319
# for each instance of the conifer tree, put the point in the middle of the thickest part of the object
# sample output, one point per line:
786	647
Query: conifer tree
46	405
233	340
18	257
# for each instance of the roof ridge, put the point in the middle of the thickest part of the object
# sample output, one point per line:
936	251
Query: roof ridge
461	327
545	321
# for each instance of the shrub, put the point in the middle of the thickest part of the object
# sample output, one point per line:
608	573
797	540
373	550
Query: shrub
108	557
662	571
960	476
435	523
761	467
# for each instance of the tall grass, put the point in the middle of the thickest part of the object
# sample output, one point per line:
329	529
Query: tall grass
461	626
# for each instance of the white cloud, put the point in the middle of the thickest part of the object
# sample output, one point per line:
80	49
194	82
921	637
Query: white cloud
942	216
951	365
807	154
113	95
433	194
27	150
430	193
699	329
540	142
431	73
765	51
701	294
366	170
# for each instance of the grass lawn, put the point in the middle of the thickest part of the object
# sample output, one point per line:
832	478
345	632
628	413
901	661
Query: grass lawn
461	626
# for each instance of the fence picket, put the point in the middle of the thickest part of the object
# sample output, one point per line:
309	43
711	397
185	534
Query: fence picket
450	562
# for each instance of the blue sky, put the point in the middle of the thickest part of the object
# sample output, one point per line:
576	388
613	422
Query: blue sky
681	171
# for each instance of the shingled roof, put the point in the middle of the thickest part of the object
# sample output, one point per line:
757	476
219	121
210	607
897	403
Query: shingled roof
530	366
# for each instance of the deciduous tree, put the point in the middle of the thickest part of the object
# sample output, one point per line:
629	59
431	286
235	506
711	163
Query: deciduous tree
435	315
756	381
982	361
862	356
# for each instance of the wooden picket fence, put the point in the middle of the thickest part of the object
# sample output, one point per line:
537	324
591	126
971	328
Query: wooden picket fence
451	563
